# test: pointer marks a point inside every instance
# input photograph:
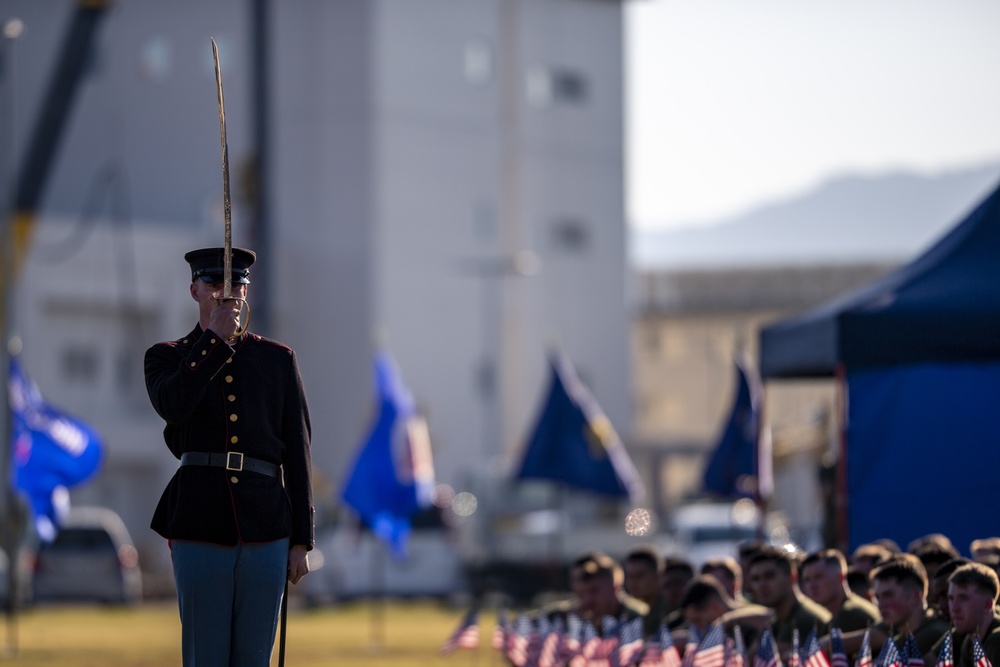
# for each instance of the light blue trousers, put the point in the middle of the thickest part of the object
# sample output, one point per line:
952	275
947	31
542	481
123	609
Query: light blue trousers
229	599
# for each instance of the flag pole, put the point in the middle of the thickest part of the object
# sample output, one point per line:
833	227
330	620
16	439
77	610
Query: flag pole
7	533
474	658
841	494
377	629
763	455
12	29
760	493
559	541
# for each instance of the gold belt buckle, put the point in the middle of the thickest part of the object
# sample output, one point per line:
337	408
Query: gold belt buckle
229	461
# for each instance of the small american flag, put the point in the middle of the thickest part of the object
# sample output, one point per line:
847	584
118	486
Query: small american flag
812	654
712	651
838	654
946	658
569	643
735	649
978	654
910	655
551	642
864	658
538	635
499	639
608	644
767	652
466	635
889	655
517	641
795	658
629	643
661	652
588	645
691	646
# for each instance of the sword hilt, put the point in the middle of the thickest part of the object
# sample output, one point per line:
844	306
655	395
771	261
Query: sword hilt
244	305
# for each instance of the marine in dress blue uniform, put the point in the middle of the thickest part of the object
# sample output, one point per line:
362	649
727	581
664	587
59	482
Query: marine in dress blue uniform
238	513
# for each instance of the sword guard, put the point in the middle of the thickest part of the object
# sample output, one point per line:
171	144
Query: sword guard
244	305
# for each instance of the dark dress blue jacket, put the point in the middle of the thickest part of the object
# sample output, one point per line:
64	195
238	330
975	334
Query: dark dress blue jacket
246	398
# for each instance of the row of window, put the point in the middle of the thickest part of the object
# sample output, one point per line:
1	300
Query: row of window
544	86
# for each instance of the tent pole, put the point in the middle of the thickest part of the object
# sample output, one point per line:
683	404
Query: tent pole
841	493
763	484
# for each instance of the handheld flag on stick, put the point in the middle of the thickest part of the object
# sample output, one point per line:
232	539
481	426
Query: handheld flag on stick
607	644
554	638
629	643
499	638
838	654
978	654
541	631
589	646
889	655
795	656
569	643
736	649
864	658
52	451
712	650
574	442
466	635
910	653
813	655
393	475
661	652
516	649
767	651
946	657
691	646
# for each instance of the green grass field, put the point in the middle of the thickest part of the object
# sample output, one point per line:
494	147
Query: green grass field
369	635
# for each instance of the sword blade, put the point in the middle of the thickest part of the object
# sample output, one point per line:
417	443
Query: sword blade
227	208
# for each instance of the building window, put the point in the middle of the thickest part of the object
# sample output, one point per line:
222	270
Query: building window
570	235
652	340
478	63
127	371
483	222
80	364
556	86
155	60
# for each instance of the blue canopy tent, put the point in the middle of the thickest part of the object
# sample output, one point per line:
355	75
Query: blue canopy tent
919	355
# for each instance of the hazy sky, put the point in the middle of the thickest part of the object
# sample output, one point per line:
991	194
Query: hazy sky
735	102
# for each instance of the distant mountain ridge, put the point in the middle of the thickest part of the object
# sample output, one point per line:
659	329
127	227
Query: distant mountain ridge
847	219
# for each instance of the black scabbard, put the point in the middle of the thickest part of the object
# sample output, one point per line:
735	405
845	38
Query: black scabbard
284	626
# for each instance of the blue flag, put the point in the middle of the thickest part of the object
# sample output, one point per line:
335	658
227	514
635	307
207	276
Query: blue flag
393	475
51	450
575	443
733	469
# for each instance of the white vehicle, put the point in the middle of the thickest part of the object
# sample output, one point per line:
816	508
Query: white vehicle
711	529
348	563
92	558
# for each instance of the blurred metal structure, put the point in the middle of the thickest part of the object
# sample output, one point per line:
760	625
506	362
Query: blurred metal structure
26	188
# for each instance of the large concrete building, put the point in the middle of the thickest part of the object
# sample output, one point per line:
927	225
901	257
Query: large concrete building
444	176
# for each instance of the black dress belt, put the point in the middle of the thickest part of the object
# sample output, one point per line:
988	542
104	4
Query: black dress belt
235	461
